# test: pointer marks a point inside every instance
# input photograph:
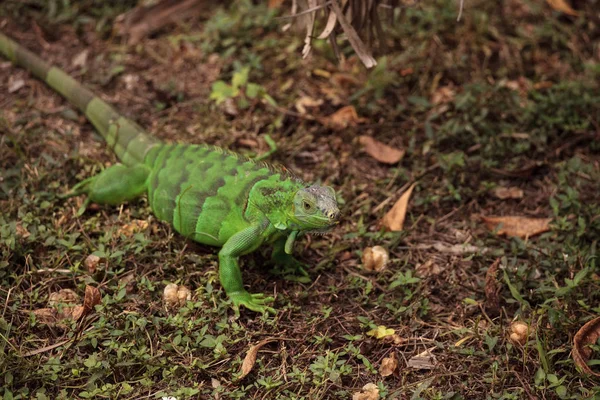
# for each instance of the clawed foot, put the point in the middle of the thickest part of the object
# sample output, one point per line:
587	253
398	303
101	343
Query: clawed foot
255	302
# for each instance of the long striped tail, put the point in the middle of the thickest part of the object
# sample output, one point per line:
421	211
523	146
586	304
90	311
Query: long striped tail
126	138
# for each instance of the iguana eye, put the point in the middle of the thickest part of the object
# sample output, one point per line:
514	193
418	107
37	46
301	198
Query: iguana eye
306	205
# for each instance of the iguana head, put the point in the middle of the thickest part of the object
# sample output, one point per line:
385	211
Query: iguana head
315	208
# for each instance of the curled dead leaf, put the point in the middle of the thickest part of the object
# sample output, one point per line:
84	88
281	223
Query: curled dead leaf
394	219
587	335
375	258
92	298
369	392
388	365
492	289
305	102
63	296
342	118
562	6
133	227
91	263
250	358
504	193
423	360
379	151
522	227
46	315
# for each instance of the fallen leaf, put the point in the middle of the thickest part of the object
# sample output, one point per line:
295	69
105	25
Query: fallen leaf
492	288
379	151
133	227
587	335
394	219
250	358
15	84
380	332
46	315
522	227
504	193
80	60
63	296
457	249
303	102
375	258
443	95
369	392
562	6
342	118
388	365
427	269
91	263
424	360
92	298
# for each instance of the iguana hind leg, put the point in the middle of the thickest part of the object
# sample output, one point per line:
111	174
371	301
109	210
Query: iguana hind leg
114	185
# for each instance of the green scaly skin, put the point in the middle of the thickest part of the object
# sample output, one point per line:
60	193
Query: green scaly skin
208	194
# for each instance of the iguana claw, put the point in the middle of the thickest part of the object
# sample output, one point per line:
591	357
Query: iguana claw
255	302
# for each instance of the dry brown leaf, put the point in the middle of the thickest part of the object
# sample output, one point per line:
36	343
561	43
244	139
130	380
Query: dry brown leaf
342	118
46	315
369	392
14	84
428	268
78	312
80	60
522	227
562	6
443	95
424	360
92	297
587	335
504	193
492	288
388	365
303	102
394	219
91	263
250	358
375	258
133	227
379	151
63	296
357	44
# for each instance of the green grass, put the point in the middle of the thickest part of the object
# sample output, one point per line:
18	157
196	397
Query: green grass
524	113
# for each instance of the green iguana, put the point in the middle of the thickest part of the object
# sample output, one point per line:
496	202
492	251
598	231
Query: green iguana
208	194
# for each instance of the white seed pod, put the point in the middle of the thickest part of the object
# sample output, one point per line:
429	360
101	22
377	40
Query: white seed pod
183	295
519	332
375	258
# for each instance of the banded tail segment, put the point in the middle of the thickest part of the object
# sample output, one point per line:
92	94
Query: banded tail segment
126	138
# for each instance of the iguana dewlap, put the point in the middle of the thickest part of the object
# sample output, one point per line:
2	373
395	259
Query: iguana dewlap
208	194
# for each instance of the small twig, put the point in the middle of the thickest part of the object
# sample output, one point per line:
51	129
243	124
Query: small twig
460	10
308	11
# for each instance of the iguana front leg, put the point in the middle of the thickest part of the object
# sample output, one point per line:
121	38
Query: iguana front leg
230	274
290	268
